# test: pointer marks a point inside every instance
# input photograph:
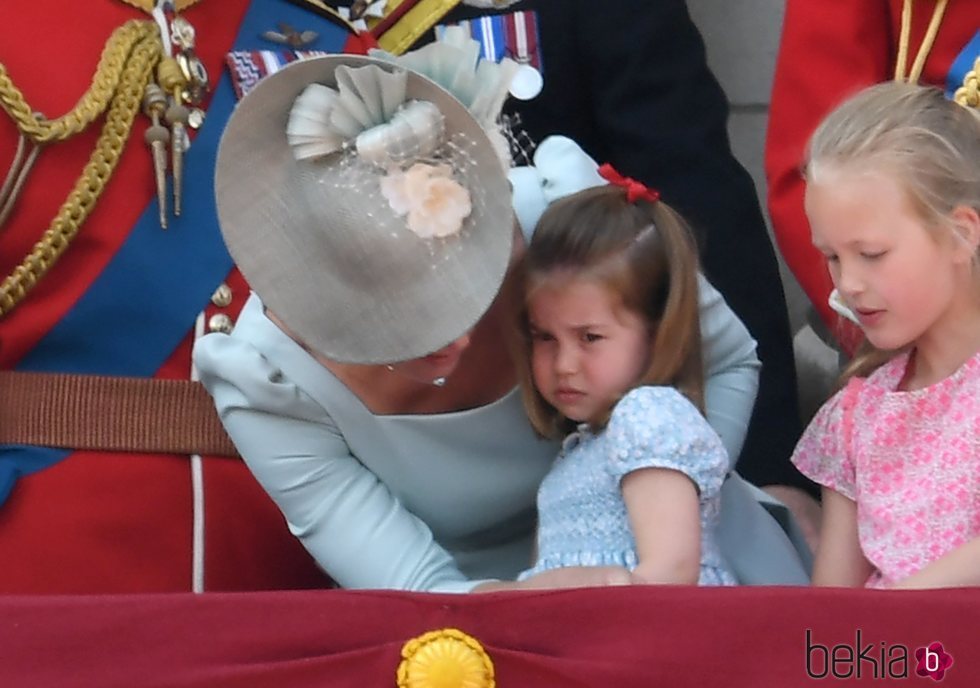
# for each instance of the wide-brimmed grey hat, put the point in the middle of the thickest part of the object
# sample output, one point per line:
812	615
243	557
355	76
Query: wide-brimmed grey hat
326	244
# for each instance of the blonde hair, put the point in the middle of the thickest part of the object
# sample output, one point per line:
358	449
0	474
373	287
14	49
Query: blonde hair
642	251
928	144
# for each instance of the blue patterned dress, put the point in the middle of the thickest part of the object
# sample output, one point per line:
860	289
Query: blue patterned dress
582	515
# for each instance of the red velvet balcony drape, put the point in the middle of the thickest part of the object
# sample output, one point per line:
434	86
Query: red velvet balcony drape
638	637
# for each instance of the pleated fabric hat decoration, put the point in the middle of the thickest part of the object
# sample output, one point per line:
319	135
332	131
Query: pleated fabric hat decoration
366	205
482	89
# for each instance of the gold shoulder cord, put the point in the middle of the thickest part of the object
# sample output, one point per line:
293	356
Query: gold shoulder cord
147	5
124	69
901	63
967	95
121	77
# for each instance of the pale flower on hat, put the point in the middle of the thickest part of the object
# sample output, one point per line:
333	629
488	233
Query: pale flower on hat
434	204
366	204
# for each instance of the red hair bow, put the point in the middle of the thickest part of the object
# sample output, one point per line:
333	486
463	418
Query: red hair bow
634	189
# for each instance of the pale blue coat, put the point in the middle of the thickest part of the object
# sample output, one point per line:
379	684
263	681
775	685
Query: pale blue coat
440	502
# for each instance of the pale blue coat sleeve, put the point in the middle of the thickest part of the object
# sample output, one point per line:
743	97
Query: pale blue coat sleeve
731	369
348	520
754	543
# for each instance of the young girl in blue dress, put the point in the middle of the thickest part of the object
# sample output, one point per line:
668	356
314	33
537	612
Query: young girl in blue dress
611	361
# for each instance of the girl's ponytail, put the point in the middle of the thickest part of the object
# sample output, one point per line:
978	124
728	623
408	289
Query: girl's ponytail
676	359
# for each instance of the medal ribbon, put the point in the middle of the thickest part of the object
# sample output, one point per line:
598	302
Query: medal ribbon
513	35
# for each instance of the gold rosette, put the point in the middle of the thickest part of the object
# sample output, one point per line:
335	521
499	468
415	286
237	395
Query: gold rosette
447	658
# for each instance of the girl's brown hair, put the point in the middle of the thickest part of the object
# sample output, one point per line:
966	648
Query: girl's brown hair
929	144
644	252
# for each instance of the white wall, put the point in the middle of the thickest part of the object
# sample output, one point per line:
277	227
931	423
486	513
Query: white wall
742	39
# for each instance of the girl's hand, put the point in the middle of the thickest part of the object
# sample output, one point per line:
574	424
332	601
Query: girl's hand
568	577
579	577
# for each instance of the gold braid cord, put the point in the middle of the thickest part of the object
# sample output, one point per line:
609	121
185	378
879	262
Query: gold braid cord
969	93
902	71
120	80
148	5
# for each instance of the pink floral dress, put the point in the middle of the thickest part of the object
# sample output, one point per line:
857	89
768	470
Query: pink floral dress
910	461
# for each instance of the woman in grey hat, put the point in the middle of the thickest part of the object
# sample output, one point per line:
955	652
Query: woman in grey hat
366	383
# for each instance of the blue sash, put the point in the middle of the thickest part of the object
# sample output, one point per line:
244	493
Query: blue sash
110	331
962	64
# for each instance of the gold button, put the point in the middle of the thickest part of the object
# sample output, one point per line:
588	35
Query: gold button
219	322
222	296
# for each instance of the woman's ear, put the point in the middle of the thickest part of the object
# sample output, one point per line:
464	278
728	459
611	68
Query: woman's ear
966	232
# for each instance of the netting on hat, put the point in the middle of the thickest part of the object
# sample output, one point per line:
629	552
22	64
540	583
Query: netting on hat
449	196
519	141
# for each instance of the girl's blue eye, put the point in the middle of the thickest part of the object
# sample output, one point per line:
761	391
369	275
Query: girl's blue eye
591	337
873	255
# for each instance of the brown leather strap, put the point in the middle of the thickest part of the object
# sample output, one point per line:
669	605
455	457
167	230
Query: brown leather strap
124	414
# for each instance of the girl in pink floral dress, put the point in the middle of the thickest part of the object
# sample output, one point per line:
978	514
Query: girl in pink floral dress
893	198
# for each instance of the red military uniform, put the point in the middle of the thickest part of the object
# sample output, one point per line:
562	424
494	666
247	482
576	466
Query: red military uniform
121	521
829	50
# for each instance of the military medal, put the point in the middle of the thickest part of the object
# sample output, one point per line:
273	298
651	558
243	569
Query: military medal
527	82
513	35
522	38
490	4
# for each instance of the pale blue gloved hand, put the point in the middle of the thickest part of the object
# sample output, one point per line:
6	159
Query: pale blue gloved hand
560	169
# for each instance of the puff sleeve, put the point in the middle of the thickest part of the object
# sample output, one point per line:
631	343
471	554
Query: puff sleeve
657	427
822	453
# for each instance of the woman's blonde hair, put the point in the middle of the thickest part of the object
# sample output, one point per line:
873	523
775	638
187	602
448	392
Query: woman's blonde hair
928	144
642	251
